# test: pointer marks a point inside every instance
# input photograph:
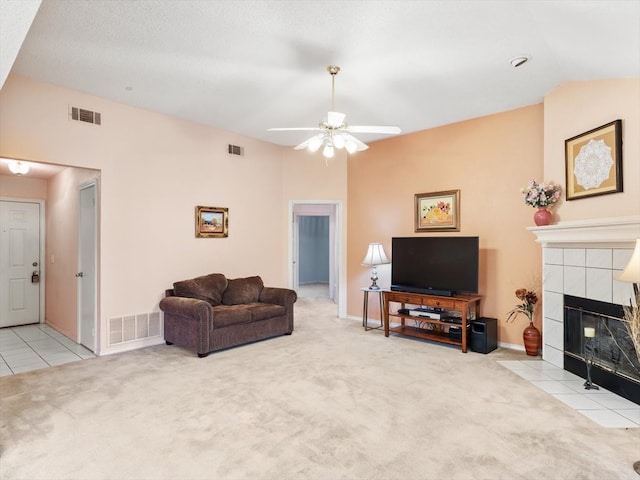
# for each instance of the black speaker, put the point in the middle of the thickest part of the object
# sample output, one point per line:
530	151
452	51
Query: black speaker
484	335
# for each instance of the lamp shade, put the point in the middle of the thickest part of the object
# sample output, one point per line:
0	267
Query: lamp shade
375	255
631	272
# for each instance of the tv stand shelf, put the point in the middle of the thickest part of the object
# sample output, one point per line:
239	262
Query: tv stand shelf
467	305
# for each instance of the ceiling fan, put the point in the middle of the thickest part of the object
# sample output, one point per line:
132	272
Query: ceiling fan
334	132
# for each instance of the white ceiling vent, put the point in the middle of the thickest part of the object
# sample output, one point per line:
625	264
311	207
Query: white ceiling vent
235	150
83	115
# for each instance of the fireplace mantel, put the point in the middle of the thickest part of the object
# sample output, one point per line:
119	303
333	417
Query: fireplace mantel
621	231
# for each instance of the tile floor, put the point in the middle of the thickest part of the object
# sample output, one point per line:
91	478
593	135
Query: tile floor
602	406
30	347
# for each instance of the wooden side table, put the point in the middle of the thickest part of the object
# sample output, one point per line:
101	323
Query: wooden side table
365	307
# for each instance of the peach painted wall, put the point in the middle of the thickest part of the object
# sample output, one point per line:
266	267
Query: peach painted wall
23	187
154	170
61	251
578	107
488	159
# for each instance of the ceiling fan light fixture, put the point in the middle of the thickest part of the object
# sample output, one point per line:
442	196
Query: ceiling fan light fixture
339	141
328	151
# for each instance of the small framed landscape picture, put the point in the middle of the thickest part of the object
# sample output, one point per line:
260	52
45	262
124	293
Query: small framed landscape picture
437	211
594	162
212	222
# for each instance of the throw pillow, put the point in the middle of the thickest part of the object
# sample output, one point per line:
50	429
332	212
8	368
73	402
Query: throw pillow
209	288
242	290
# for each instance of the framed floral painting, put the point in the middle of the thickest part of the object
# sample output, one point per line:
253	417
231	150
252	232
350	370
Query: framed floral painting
594	162
437	211
212	222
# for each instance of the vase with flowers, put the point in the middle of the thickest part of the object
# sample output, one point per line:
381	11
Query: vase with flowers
541	195
526	307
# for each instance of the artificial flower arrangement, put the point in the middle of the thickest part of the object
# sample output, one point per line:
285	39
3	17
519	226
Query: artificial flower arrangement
541	194
529	300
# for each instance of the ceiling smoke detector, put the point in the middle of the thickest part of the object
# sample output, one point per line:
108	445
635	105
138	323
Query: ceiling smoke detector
519	60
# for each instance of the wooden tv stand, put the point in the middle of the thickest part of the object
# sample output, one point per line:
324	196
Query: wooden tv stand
467	305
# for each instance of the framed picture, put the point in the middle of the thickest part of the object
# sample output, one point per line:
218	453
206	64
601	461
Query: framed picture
212	222
594	162
437	211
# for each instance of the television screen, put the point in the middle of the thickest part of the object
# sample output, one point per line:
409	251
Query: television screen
435	265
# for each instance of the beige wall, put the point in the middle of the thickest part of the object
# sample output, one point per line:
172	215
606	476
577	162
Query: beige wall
578	107
154	170
23	187
488	159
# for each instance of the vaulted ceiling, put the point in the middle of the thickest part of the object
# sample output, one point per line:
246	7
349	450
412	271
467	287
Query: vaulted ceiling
245	66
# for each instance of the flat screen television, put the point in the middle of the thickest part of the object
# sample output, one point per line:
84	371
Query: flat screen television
435	265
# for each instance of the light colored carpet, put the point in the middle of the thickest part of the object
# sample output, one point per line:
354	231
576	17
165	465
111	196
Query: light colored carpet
329	402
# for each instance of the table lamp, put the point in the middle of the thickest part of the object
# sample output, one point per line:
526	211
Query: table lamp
375	256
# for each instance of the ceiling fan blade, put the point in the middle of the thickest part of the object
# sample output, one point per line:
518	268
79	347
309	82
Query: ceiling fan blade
290	129
360	146
316	139
391	130
335	119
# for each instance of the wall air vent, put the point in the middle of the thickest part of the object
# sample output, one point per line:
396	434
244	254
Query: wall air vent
87	116
235	150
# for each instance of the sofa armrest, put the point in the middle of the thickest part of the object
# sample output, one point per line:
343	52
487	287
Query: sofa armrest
187	322
187	307
278	296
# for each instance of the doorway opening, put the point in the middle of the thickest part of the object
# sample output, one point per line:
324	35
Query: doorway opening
58	186
315	259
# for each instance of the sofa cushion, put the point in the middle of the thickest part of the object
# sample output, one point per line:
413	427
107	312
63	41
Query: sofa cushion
227	315
264	311
209	288
242	290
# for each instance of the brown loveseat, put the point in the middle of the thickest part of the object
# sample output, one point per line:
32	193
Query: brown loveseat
211	312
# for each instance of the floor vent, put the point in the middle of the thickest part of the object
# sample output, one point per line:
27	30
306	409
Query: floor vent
235	150
82	115
130	328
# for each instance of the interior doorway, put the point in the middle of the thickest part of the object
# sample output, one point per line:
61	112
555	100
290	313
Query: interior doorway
315	250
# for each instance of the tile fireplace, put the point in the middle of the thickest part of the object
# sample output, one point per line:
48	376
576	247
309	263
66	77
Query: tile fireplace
581	259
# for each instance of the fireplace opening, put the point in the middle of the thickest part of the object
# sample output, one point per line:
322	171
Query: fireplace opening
615	362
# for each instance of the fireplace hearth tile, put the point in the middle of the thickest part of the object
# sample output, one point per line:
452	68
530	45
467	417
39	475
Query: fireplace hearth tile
609	419
552	386
632	414
575	396
615	402
578	401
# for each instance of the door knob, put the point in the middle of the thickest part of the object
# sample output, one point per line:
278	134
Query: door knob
79	274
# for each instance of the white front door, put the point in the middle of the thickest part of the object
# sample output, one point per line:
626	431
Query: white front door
87	274
19	263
